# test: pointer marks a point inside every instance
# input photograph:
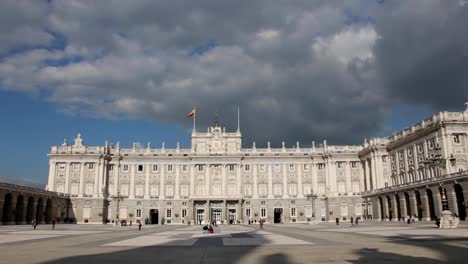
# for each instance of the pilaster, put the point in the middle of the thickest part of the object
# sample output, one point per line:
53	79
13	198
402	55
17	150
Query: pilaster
285	182
403	210
348	177
67	177
300	191
132	181
270	181
192	180
52	172
80	191
255	181
162	187
147	179
177	181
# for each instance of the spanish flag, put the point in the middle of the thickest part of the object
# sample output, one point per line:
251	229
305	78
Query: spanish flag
192	113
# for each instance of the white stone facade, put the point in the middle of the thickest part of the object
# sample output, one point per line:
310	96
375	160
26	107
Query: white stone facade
217	179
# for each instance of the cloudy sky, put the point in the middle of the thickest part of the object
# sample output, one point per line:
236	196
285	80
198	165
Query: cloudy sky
299	70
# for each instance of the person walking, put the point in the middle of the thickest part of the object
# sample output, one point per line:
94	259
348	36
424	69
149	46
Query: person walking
53	224
33	223
337	220
352	221
356	221
261	223
139	226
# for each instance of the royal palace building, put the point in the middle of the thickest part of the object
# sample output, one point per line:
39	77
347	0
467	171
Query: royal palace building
219	180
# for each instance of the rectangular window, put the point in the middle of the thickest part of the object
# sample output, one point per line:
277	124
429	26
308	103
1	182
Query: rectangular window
292	189
169	213
354	164
306	167
277	189
184	190
321	166
125	168
340	164
247	212
154	190
231	167
74	188
341	187
248	189
90	166
138	213
184	168
139	190
169	168
263	212
247	167
155	167
292	167
201	189
456	139
183	213
232	189
262	167
307	189
321	189
344	210
293	212
170	190
200	167
140	168
358	209
308	211
76	166
277	167
262	189
124	190
61	167
89	188
355	187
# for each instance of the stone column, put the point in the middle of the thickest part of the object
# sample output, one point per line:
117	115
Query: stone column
413	204
255	181
403	210
1	207
223	179
162	187
366	176
285	182
132	181
394	207
192	180
80	191
104	178
67	177
331	175
300	191
25	211
177	181
147	179
452	198
425	206
376	210
224	211
52	172
386	212
270	181
313	169
348	177
97	176
116	177
207	180
437	200
239	181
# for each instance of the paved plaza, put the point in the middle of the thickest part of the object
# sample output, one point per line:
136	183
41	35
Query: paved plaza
378	242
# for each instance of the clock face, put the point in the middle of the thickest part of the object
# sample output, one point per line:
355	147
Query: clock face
216	144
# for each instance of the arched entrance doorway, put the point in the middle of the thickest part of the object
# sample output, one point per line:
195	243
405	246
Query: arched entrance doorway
460	202
382	216
19	209
430	200
30	210
408	206
48	211
40	211
278	212
6	216
389	205
398	212
418	204
154	216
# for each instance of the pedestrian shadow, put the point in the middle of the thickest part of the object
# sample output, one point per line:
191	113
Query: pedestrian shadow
373	255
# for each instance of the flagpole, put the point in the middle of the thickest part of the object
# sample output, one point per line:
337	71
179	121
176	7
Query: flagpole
194	117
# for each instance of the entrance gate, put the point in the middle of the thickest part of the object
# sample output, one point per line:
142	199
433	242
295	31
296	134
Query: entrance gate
277	216
154	216
200	216
216	214
232	216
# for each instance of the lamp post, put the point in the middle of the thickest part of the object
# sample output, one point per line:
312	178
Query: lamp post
312	197
118	198
440	163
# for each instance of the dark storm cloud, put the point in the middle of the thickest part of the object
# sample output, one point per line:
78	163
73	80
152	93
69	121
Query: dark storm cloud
298	70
